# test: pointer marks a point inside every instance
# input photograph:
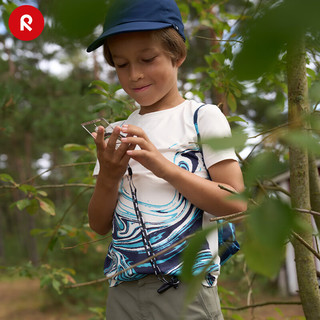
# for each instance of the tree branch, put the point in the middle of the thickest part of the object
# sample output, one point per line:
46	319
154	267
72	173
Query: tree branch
67	185
314	213
230	217
85	243
262	305
67	165
58	225
131	267
218	40
303	242
46	186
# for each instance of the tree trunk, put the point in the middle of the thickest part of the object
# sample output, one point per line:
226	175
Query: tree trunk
314	188
299	178
2	256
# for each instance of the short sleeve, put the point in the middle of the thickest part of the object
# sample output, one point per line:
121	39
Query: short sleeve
213	123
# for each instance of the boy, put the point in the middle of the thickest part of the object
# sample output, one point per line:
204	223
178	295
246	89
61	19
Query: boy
156	188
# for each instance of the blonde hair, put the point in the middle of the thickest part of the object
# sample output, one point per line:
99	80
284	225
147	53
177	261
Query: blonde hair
170	39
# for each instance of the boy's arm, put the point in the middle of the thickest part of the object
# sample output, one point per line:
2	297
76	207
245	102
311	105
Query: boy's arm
102	205
205	194
113	164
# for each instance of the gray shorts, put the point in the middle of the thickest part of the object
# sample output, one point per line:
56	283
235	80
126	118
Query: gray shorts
139	300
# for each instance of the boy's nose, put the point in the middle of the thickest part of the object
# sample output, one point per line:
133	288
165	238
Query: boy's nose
135	74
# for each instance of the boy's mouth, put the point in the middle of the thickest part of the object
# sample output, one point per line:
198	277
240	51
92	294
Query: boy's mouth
140	89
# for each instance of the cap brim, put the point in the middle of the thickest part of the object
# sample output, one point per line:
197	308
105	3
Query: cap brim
127	27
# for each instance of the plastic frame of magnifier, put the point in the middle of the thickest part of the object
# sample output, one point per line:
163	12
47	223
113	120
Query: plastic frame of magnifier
92	126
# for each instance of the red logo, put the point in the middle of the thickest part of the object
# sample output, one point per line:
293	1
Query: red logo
26	23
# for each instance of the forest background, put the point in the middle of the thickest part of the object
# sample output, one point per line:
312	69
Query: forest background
258	60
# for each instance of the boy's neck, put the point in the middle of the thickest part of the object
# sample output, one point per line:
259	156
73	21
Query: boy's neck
161	106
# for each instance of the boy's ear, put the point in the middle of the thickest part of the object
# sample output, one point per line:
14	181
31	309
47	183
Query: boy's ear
180	61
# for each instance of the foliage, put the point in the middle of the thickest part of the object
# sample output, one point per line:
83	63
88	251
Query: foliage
57	278
237	54
267	34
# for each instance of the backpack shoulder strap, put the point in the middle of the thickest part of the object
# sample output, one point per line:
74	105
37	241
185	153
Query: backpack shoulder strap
195	121
228	245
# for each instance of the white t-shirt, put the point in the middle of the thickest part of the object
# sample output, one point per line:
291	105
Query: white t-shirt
168	216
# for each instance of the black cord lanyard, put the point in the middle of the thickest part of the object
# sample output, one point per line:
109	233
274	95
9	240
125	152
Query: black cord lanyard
174	282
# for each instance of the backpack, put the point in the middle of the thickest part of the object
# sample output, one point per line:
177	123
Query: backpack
227	243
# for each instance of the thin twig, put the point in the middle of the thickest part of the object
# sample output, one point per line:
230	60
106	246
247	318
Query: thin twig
47	186
314	213
88	242
306	244
57	227
226	189
229	217
218	40
276	187
269	131
67	165
67	185
131	267
262	305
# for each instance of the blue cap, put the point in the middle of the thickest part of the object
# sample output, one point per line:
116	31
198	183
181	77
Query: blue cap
139	15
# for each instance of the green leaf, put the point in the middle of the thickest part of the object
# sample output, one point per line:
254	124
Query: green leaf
236	317
268	228
266	36
27	188
264	166
237	92
33	208
237	140
314	92
98	91
47	205
6	178
101	84
42	193
75	147
263	259
236	119
191	251
52	243
303	140
232	102
86	15
311	73
45	280
56	285
8	8
23	203
36	232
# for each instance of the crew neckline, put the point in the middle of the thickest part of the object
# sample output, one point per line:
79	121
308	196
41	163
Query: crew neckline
150	114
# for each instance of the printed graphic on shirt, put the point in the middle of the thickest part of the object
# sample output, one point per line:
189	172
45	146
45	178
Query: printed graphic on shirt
166	224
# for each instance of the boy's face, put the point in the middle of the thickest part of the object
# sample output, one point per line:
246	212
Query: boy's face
145	70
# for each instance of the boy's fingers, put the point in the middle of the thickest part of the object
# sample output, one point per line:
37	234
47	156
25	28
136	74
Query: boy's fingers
143	143
99	136
126	157
113	138
134	131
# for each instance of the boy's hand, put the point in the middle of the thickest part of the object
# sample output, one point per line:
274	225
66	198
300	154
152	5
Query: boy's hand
113	161
148	156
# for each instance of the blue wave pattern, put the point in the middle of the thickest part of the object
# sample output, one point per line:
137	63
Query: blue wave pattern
166	224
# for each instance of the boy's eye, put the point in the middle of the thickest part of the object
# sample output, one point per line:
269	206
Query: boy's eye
122	65
147	60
